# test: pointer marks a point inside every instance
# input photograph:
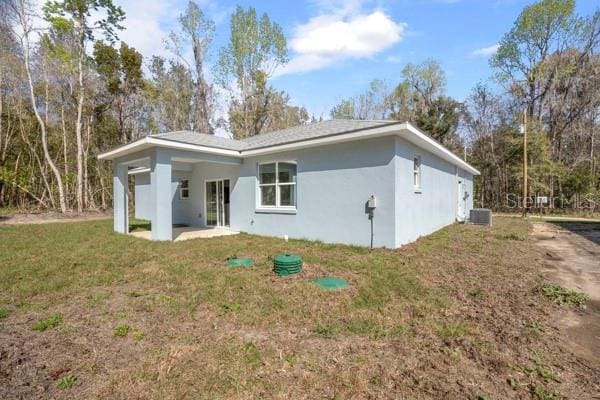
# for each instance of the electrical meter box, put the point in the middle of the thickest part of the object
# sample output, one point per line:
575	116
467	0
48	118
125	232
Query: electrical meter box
372	203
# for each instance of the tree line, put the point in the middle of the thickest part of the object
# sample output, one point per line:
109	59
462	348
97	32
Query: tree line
546	67
70	89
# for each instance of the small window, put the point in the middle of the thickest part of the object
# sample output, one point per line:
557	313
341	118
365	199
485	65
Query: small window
277	185
417	172
184	189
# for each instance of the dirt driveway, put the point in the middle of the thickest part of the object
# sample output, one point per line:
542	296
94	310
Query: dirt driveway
572	258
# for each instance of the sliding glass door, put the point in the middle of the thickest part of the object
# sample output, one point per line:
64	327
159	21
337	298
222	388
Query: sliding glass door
217	202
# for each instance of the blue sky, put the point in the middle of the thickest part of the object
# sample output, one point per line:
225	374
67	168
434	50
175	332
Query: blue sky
337	47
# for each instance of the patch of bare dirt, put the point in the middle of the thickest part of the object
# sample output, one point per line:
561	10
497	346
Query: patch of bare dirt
572	259
31	362
52	217
514	328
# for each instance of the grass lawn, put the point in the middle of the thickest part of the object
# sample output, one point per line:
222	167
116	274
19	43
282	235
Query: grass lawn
87	313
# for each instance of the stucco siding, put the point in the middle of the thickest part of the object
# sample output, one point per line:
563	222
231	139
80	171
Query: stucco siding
434	205
142	203
183	210
333	184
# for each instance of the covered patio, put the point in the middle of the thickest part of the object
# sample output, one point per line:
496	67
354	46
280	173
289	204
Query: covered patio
161	162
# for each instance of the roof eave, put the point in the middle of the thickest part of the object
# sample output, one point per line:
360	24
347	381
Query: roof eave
124	150
149	141
415	136
439	149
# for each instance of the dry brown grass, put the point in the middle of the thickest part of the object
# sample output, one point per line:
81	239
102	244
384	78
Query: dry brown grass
449	316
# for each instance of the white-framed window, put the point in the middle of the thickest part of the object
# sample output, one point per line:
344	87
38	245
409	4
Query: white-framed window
184	189
277	184
417	172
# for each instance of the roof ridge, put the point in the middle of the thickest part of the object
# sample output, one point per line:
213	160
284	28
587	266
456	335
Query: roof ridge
170	133
278	131
313	124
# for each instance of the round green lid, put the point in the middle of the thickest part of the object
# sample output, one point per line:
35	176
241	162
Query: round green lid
331	283
239	262
287	259
287	272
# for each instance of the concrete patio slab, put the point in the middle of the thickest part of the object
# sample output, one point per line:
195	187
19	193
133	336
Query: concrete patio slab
186	233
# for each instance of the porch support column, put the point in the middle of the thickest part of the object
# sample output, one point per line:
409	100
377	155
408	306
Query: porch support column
120	198
160	181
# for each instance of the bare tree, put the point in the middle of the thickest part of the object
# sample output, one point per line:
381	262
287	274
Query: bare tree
197	31
22	11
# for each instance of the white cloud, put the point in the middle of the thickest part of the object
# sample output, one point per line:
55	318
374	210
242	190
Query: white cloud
326	39
486	51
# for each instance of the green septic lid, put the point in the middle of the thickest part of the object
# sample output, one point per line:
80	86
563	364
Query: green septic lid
331	283
287	259
239	262
286	272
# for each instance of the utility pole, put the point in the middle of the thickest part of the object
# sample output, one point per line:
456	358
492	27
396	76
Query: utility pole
525	205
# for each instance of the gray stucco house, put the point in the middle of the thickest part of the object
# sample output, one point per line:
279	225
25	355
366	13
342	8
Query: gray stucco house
383	183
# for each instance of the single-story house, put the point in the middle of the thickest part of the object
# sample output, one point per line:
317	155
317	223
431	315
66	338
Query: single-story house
379	183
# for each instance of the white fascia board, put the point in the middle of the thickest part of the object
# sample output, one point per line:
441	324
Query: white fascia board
140	170
149	141
124	150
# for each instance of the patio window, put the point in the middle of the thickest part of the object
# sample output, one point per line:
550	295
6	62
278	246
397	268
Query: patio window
184	189
277	184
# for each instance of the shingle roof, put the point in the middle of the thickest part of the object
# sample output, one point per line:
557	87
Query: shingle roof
298	134
311	131
289	135
201	139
